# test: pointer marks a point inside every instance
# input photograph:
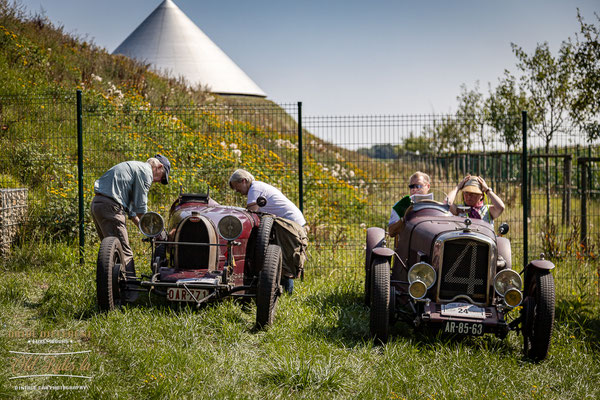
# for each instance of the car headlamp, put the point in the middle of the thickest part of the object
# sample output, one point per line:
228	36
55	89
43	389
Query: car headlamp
230	227
513	297
423	272
151	224
417	289
505	280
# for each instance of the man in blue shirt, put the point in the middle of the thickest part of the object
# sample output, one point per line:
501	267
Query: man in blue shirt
123	191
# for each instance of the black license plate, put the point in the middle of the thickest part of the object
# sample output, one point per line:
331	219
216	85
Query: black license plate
464	328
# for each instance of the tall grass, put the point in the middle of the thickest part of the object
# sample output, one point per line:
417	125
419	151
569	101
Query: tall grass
318	347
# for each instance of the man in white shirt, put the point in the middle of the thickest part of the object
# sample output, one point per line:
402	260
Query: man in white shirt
290	227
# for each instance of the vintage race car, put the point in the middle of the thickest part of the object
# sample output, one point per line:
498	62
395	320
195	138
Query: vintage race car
206	252
454	274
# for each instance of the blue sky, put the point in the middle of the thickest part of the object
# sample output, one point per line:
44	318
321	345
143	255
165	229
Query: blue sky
349	57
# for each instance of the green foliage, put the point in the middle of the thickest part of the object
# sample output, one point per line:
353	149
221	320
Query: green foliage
382	151
472	114
586	56
418	145
506	103
9	182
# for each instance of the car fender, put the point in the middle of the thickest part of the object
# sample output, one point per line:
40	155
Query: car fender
541	264
375	239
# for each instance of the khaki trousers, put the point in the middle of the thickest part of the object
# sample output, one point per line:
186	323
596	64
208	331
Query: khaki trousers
110	220
293	241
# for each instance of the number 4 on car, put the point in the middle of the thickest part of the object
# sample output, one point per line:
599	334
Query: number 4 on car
454	275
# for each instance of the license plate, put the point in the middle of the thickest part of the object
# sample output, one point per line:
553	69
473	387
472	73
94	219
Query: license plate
462	310
182	294
464	328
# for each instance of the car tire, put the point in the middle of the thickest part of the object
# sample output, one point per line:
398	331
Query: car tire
263	238
380	299
538	314
110	270
268	289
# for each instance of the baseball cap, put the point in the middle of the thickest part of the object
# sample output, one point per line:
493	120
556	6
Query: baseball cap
165	162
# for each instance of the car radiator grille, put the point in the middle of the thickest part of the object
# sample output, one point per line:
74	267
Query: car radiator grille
464	270
190	257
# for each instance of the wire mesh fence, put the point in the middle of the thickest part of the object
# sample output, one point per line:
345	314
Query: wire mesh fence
354	168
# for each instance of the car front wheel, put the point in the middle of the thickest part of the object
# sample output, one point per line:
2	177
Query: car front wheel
380	299
538	314
268	286
110	271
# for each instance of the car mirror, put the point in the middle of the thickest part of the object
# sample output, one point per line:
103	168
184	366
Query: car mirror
261	201
503	229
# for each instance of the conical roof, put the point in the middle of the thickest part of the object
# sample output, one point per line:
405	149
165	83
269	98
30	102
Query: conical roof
171	42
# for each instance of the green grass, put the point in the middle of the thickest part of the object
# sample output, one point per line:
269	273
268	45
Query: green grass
319	346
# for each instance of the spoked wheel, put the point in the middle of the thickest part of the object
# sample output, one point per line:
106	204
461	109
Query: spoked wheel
110	271
263	237
268	286
380	299
538	314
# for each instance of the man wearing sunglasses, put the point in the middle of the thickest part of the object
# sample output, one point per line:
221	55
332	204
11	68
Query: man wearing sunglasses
417	184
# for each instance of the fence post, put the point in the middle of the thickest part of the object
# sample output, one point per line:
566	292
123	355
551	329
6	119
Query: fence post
80	174
300	172
567	190
584	190
524	197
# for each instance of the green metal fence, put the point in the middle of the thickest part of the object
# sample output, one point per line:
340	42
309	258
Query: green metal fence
346	171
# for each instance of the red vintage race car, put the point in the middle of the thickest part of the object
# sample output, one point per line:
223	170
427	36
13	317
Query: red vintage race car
205	253
454	275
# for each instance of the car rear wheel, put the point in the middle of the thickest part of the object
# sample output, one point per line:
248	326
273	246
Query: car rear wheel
263	238
380	299
268	286
538	314
110	271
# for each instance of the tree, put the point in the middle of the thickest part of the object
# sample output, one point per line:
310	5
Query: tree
547	80
472	113
446	135
585	109
417	145
505	104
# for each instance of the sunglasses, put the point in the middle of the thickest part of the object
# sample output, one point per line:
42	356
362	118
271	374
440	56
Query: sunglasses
415	186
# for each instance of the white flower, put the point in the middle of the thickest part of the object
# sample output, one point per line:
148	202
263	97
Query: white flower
233	146
96	78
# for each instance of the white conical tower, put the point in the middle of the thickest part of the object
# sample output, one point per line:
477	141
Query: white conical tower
171	42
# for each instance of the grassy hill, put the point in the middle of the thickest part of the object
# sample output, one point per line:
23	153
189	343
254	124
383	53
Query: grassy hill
130	112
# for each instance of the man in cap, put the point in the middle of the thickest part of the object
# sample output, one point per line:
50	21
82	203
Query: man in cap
123	191
474	190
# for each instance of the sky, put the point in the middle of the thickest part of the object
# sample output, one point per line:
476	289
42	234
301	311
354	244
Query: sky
350	57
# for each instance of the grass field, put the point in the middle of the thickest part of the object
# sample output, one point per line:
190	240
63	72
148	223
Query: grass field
318	347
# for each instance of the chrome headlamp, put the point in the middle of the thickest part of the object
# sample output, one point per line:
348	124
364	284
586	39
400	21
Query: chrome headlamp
230	227
421	277
507	284
151	224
